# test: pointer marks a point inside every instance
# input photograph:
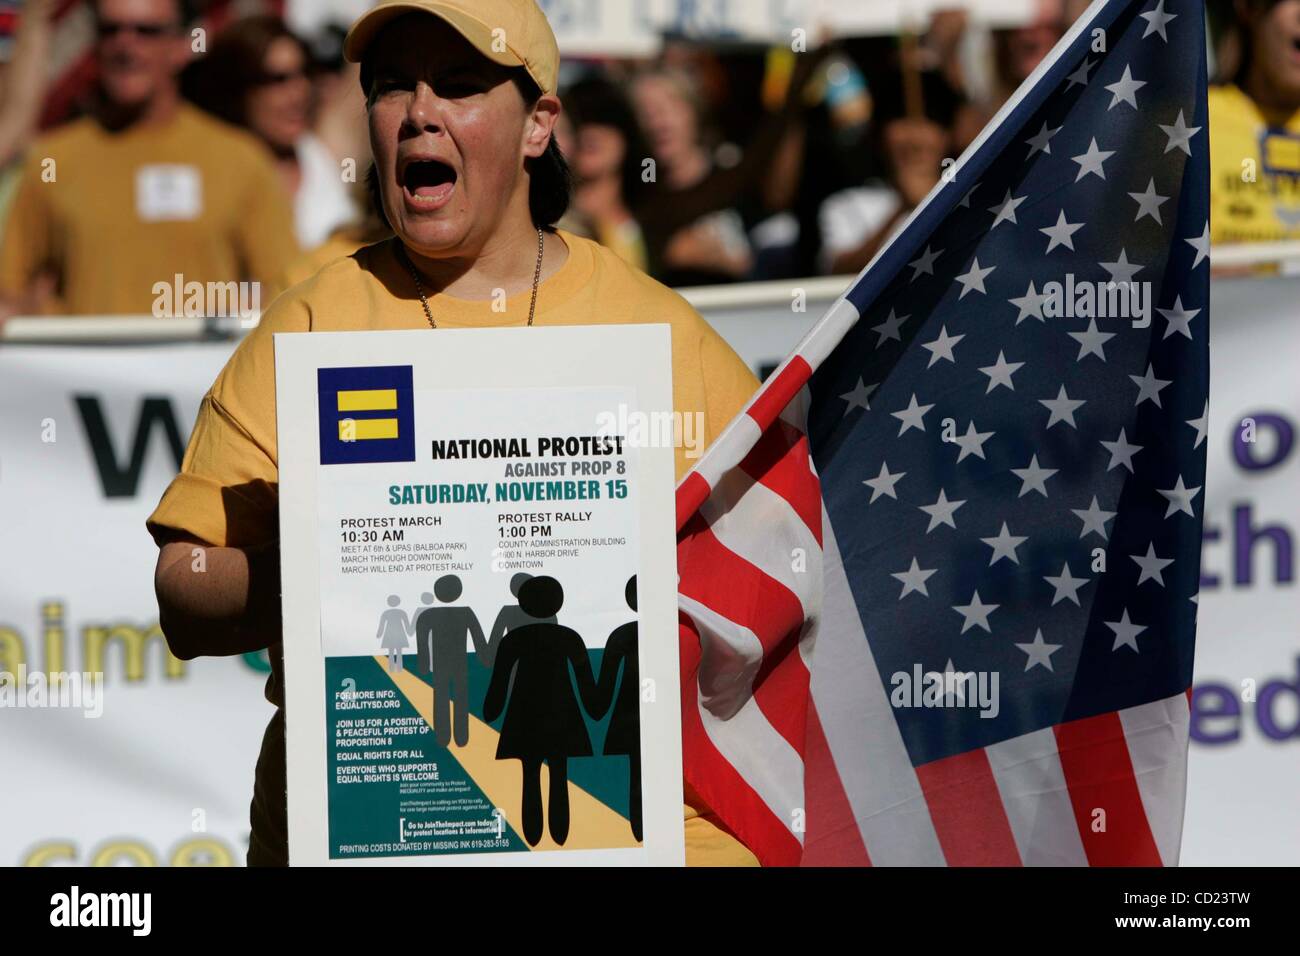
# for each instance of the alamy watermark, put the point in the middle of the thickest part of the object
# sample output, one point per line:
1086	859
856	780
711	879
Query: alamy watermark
655	429
977	690
1098	300
198	300
133	911
76	691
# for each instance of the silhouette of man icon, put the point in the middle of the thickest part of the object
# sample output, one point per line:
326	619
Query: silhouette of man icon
444	630
543	723
624	733
508	618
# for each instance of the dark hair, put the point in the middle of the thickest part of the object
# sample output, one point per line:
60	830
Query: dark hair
598	102
550	183
220	82
1241	21
550	187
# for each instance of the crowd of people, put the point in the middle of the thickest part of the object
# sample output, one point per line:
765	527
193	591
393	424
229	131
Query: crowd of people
244	157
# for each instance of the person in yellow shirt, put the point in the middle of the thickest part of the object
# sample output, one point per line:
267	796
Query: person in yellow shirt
471	183
146	189
1255	130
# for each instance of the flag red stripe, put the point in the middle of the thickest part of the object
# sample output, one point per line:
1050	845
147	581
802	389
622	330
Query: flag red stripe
1099	774
691	494
779	391
780	461
781	690
744	594
832	837
967	811
732	587
717	781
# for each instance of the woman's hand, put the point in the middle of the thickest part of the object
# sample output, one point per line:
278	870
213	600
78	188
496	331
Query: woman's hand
701	246
915	148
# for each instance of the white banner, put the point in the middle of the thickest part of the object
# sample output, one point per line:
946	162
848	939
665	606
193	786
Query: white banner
634	28
90	437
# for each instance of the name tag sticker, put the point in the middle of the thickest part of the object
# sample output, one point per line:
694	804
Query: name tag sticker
168	193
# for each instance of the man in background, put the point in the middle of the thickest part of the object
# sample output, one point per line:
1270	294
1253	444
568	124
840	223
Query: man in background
144	189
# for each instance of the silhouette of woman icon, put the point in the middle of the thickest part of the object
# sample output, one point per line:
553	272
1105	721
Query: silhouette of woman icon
542	721
394	629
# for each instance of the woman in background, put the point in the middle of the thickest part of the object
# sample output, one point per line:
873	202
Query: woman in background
694	233
257	75
607	159
713	247
1255	116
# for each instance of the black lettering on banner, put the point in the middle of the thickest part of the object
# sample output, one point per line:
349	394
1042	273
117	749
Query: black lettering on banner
118	481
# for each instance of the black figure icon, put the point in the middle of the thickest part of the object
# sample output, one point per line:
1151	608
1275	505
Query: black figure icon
624	733
444	629
509	618
542	721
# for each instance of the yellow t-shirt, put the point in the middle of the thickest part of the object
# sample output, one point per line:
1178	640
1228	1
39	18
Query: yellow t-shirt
342	243
123	211
226	493
1254	170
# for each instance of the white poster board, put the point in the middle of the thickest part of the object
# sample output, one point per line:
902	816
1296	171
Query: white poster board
471	675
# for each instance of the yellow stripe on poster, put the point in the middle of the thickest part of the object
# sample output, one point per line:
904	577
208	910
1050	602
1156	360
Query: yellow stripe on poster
1282	153
366	429
368	400
592	825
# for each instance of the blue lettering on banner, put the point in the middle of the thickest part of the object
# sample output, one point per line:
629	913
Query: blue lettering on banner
1216	711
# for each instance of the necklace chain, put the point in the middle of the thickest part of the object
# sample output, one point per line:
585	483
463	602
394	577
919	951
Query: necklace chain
424	299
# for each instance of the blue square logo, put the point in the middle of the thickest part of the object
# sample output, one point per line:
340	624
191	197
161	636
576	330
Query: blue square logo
367	415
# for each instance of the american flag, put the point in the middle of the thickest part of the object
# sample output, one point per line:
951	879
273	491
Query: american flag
966	469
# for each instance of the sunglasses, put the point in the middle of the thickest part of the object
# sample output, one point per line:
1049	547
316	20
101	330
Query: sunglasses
111	28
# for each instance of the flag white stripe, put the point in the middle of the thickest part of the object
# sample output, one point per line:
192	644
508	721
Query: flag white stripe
877	776
1157	734
834	325
760	526
745	738
729	450
1031	782
730	659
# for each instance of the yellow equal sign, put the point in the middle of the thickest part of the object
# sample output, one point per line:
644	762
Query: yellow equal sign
1282	152
367	400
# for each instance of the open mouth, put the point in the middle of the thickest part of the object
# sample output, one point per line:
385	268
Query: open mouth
428	181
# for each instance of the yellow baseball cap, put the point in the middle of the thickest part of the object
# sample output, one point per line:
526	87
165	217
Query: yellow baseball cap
509	32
